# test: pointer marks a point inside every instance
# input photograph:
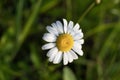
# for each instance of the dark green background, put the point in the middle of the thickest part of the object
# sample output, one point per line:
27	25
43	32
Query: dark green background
23	23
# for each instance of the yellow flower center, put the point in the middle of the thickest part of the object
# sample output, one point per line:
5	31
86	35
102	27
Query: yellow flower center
64	42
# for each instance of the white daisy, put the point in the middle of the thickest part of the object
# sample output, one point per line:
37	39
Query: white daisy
64	41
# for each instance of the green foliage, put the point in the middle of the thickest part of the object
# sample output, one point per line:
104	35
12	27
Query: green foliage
22	25
68	74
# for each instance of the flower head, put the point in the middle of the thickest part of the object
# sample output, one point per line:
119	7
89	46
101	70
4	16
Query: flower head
64	41
98	1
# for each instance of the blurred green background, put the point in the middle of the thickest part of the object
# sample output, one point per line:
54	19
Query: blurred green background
23	23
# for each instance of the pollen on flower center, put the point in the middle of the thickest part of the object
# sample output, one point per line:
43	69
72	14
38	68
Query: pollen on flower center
64	42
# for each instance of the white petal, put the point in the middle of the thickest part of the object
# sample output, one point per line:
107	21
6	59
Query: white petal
70	58
76	27
78	31
75	32
51	51
81	41
55	27
70	26
52	30
48	46
65	59
58	58
65	25
72	33
78	36
49	37
52	56
74	55
60	26
78	45
78	50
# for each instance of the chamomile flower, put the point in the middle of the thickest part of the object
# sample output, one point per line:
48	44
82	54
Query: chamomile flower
64	42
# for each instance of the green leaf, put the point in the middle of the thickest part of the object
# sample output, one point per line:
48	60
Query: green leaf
34	57
68	74
2	76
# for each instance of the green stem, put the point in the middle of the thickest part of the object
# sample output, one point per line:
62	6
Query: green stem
29	23
86	11
109	41
69	9
99	69
27	27
2	76
100	28
19	17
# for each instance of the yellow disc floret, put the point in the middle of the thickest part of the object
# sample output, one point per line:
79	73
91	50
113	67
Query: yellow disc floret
64	42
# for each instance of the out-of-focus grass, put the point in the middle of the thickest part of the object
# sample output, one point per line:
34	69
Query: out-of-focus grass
23	22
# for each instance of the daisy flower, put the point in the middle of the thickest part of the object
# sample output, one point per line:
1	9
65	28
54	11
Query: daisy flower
64	41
